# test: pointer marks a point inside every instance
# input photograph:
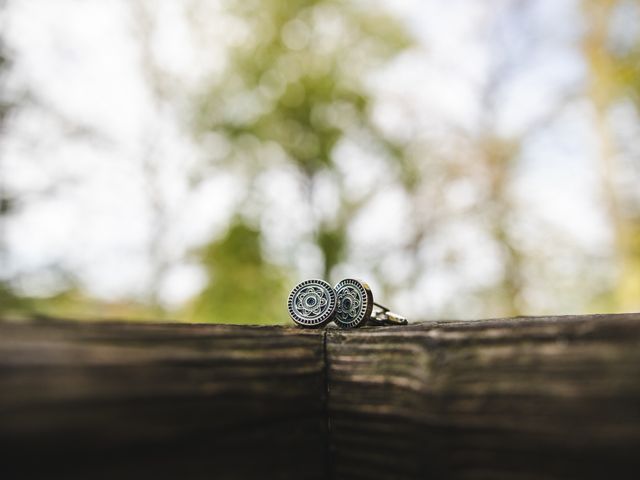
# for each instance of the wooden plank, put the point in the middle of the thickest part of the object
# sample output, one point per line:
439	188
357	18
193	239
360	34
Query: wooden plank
96	400
519	398
533	398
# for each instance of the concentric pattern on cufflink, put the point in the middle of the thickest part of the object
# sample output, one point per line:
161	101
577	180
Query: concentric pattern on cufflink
355	303
312	303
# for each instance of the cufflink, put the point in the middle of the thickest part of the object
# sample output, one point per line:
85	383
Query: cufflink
312	303
355	306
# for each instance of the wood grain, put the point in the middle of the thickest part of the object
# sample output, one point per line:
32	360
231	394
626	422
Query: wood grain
533	398
96	400
529	398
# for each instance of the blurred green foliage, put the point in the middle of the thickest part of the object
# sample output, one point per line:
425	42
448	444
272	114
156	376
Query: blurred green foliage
297	80
243	287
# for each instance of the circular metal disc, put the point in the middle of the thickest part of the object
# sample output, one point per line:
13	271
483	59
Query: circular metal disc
355	303
312	303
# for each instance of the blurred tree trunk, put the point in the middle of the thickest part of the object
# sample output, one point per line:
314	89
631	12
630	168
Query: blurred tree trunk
153	76
499	155
8	299
603	88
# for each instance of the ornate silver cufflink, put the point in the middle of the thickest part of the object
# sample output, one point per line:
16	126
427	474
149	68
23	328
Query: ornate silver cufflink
355	306
312	303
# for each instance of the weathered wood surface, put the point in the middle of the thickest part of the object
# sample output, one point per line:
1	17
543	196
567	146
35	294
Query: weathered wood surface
531	398
95	400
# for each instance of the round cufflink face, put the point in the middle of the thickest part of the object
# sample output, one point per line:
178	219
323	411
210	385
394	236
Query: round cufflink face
355	303
312	303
